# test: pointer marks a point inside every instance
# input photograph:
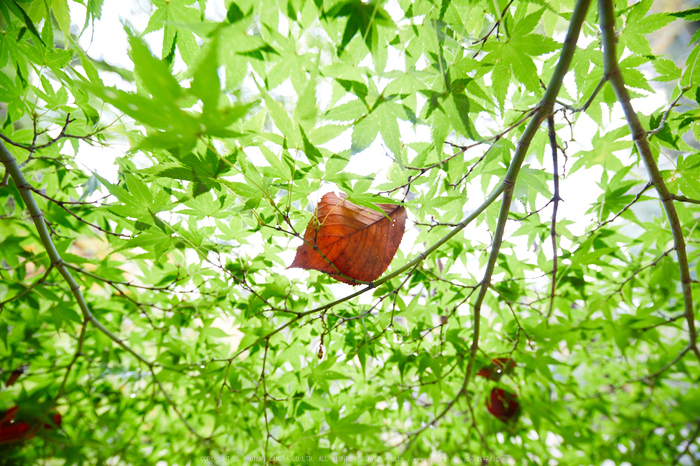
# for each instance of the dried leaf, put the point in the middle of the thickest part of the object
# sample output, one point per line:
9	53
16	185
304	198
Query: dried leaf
351	243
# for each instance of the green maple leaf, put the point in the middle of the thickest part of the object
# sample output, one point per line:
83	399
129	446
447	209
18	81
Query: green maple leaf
362	17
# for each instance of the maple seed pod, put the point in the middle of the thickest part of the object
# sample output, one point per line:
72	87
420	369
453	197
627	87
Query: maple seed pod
503	405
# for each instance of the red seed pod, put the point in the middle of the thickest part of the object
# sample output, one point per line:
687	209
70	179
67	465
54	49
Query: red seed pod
12	431
503	405
16	432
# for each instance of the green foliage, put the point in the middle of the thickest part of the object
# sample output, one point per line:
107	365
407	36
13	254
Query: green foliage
192	338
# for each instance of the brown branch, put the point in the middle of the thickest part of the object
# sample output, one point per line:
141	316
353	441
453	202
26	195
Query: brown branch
462	149
690	442
648	379
33	147
530	214
639	136
42	280
664	117
116	282
634	274
483	40
58	263
78	353
625	208
262	378
553	231
666	321
413	436
61	204
542	111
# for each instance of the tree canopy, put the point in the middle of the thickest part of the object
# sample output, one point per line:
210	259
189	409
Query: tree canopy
148	314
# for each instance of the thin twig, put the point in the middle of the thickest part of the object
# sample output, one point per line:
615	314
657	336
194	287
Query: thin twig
61	204
462	149
634	274
664	117
262	378
29	288
625	208
685	199
78	352
483	40
690	441
590	100
33	147
553	231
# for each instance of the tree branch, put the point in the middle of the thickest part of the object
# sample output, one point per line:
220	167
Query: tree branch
590	100
664	117
686	199
639	135
543	110
625	208
57	262
61	204
691	440
78	352
28	289
555	199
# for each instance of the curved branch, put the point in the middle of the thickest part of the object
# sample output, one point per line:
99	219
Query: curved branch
555	199
543	110
57	262
639	135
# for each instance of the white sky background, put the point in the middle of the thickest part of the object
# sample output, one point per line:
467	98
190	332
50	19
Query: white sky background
108	42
